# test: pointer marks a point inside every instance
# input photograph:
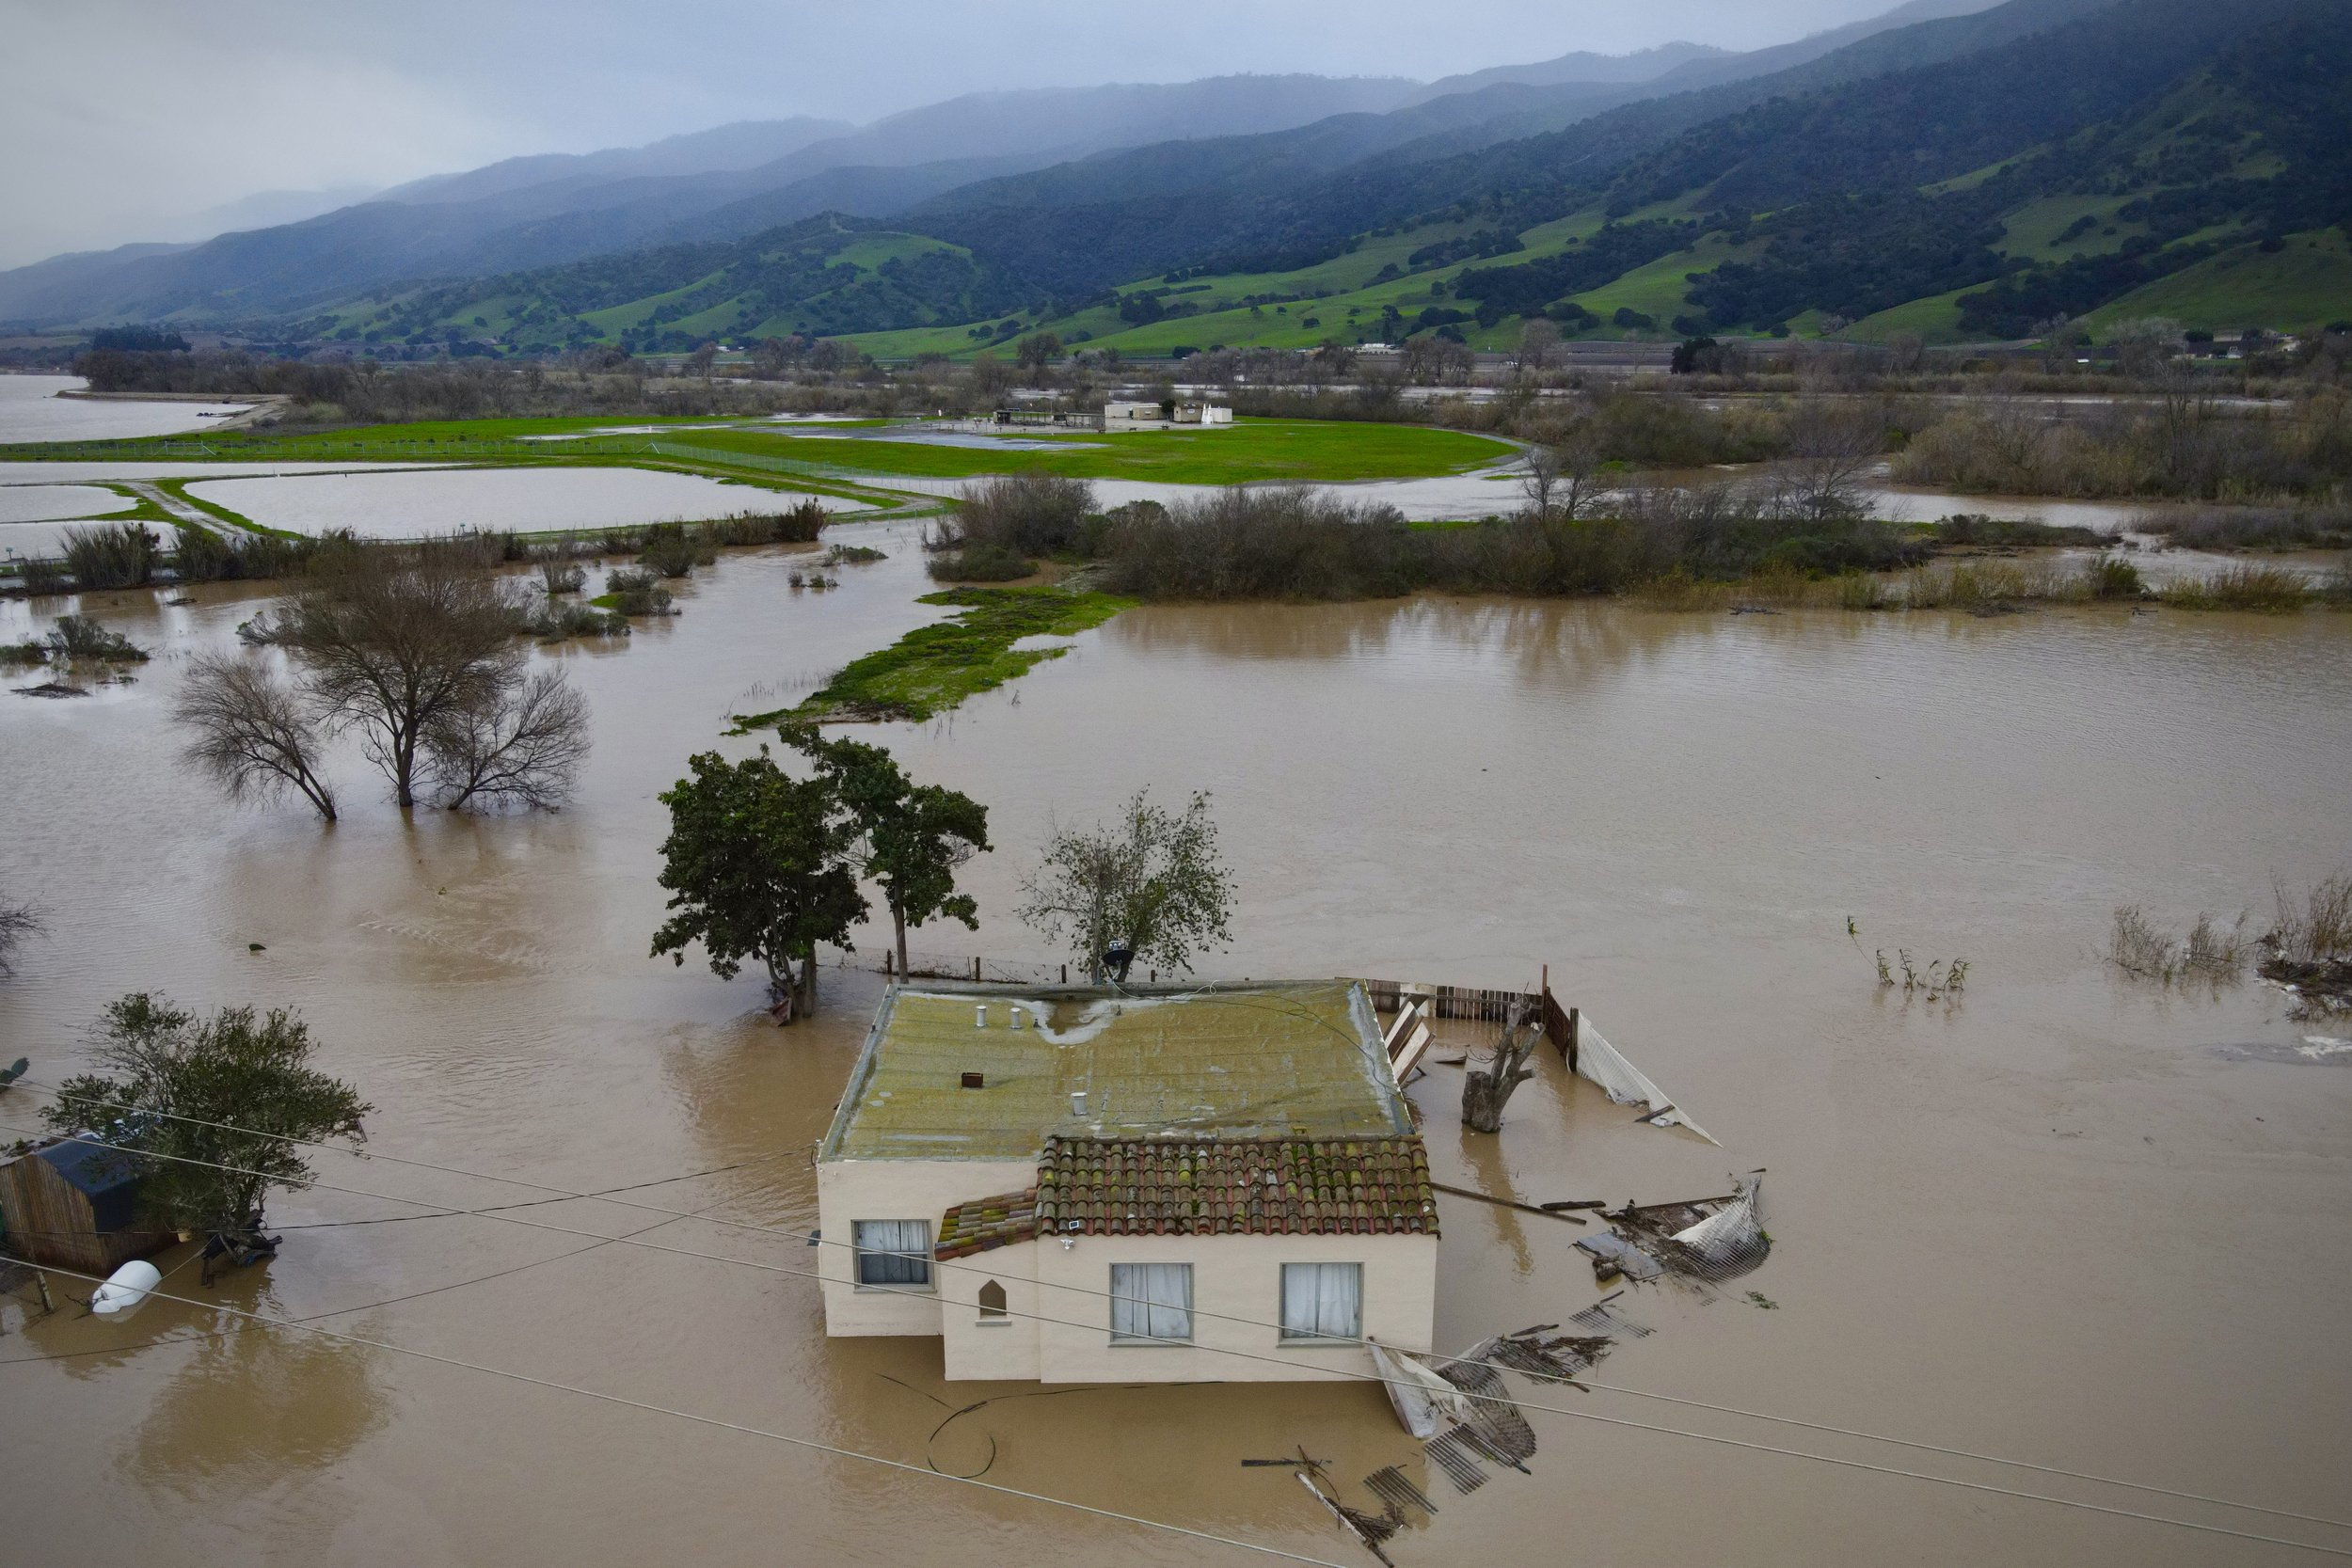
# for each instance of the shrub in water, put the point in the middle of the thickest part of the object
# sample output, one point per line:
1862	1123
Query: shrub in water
111	555
635	592
79	637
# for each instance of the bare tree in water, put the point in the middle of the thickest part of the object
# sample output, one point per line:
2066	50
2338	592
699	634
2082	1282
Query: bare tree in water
415	647
1486	1089
254	732
17	921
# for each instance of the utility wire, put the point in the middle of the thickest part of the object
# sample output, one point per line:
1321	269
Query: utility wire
1361	1377
1221	1316
733	1426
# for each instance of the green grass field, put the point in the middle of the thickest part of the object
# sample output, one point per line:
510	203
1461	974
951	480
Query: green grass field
1244	452
2303	286
1248	451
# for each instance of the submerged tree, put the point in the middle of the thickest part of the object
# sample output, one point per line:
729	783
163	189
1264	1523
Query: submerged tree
911	838
1149	884
757	865
222	1105
255	733
525	748
17	921
414	646
1488	1088
395	641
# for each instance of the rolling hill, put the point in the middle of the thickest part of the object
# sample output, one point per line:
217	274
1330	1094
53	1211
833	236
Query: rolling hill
1976	174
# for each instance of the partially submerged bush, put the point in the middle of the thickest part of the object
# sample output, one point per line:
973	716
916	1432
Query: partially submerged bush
2252	528
852	555
111	555
2257	588
670	551
559	574
632	591
200	555
553	622
1026	513
19	656
80	637
981	562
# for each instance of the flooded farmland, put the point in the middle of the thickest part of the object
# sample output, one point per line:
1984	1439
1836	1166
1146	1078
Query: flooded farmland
404	504
2069	1218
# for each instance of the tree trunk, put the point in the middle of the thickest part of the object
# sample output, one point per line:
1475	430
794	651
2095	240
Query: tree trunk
898	926
1486	1090
808	981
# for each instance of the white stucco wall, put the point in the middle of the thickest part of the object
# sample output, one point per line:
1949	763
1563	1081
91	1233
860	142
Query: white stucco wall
852	1189
1236	1295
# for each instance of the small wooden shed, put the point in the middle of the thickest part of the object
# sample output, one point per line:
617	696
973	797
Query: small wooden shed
73	1203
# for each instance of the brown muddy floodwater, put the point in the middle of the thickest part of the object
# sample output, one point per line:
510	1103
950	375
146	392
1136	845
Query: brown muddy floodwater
2056	1220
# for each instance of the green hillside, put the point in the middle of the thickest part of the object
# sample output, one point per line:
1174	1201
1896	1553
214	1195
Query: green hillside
2132	159
2304	284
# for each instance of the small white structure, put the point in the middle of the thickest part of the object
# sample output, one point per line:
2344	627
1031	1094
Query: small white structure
1128	414
1089	1186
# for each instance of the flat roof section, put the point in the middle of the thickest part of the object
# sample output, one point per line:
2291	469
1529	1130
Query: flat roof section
1275	1060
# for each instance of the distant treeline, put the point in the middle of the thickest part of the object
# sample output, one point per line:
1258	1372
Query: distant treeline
363	391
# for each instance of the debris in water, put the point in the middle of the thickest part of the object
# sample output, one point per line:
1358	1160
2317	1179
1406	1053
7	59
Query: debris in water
1371	1528
1624	1083
1543	1355
1391	1486
2321	1049
1612	1253
1764	1301
1496	1426
1460	1468
50	689
1603	1318
1425	1402
1712	1238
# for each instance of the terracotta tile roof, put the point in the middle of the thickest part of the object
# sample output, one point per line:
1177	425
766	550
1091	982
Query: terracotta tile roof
1216	1187
984	1224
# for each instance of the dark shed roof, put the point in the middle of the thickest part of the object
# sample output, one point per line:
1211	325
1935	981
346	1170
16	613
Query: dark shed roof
107	1176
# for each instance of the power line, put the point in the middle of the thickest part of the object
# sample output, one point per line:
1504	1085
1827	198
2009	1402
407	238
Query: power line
1252	1322
1366	1377
733	1426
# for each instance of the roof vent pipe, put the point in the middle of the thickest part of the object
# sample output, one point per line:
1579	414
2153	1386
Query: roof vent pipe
980	1016
1077	1102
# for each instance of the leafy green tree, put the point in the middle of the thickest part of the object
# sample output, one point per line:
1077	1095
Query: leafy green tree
911	838
1037	350
245	1083
757	865
1150	880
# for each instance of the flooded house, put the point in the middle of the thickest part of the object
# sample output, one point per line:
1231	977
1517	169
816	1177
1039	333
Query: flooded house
1089	1185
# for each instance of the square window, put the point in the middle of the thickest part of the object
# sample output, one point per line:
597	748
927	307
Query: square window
894	1253
1151	1303
1323	1301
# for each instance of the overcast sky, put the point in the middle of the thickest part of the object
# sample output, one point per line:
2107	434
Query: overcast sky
123	119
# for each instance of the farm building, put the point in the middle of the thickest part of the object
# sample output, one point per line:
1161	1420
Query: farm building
73	1202
1087	1185
1120	414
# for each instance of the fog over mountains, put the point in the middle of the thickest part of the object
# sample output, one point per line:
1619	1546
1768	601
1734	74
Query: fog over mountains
737	179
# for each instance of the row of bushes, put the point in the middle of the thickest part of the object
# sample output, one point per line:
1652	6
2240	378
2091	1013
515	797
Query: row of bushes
1713	543
129	554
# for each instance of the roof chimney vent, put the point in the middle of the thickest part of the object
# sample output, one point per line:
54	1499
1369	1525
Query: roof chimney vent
1077	1102
974	1081
980	1016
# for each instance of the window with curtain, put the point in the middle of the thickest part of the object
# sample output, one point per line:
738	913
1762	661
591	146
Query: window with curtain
894	1252
1323	1301
1151	1301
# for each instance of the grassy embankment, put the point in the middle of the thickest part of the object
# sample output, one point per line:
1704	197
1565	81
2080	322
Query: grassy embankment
933	668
